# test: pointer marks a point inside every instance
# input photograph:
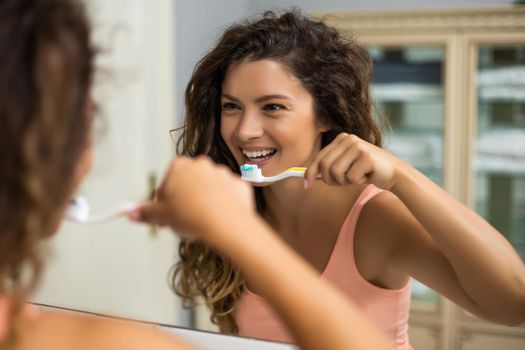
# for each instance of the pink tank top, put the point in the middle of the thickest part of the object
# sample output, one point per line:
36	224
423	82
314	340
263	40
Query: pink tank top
387	309
5	308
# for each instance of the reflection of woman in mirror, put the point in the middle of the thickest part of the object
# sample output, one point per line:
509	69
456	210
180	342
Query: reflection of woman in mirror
46	69
289	91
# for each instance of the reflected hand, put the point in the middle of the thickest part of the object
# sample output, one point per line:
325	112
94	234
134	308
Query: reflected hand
351	160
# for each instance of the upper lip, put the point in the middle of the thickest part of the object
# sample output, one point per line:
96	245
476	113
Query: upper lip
255	148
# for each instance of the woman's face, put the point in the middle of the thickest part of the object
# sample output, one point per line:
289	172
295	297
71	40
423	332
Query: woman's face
267	117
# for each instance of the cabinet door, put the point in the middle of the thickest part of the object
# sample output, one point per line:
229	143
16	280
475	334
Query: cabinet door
499	154
499	163
407	87
488	340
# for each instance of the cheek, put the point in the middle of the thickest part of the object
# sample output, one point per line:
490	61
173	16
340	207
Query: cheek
304	139
83	167
299	133
227	130
86	163
224	129
227	133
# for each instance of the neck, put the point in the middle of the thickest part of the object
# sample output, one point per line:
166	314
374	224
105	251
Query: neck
288	204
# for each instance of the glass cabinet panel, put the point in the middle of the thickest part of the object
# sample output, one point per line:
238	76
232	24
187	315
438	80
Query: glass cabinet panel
500	144
407	87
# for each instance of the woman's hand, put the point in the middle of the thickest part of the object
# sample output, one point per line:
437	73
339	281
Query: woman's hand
351	160
195	196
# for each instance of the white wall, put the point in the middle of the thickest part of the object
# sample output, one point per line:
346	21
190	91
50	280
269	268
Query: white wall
198	25
200	22
118	267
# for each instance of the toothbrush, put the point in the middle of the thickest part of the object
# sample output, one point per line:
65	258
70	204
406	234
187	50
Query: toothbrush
252	173
78	211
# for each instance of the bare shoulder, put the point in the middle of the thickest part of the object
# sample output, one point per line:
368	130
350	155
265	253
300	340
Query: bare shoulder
386	217
379	217
383	225
61	330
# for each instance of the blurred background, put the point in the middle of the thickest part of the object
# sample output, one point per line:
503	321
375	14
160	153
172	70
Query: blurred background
449	75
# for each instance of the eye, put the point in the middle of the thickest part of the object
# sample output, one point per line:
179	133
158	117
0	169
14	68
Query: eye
273	107
230	106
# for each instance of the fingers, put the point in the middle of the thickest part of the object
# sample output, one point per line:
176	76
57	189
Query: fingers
315	167
342	162
329	173
343	165
359	172
151	213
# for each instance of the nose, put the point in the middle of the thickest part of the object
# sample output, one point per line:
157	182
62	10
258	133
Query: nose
250	126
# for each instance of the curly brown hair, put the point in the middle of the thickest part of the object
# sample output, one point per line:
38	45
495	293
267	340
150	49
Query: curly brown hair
46	68
332	68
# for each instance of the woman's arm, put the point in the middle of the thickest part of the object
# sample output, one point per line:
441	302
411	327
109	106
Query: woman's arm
208	201
439	241
483	262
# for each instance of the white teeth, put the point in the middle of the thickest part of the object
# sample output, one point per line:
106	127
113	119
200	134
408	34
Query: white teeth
256	154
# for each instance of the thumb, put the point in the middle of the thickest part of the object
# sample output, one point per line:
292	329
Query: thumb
150	212
310	174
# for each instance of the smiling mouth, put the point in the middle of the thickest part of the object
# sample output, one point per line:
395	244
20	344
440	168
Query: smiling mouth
258	156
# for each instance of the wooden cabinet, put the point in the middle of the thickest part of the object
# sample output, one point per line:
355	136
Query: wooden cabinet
453	85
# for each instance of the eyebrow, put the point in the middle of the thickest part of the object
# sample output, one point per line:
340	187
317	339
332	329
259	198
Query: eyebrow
260	99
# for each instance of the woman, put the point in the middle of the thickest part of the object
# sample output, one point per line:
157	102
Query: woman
287	91
46	71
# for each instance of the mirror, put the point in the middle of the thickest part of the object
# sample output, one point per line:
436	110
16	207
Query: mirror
120	268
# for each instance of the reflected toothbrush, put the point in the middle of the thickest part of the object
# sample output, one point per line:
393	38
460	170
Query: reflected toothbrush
79	211
252	173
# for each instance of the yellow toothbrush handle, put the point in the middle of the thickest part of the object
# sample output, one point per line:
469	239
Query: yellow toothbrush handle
296	169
